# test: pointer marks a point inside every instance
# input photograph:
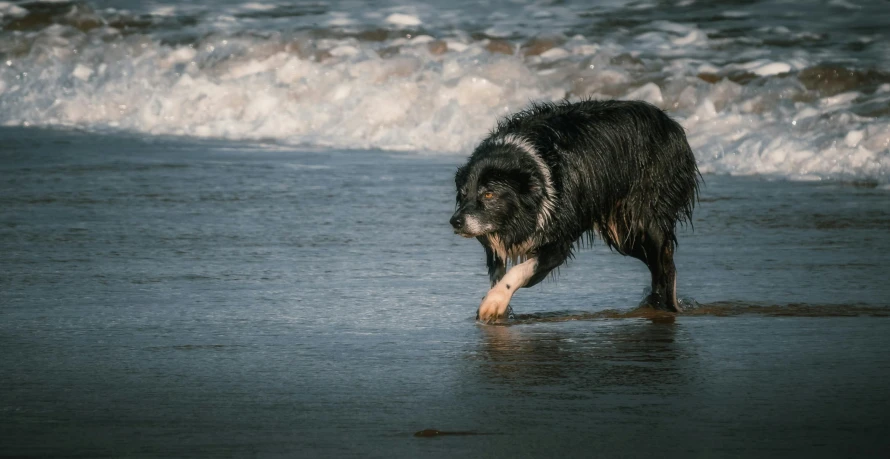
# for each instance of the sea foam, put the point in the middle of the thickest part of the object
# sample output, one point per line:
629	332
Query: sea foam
441	91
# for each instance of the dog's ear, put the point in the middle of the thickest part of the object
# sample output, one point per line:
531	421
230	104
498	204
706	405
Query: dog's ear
460	176
534	185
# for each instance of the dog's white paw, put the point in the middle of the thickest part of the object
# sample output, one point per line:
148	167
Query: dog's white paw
494	306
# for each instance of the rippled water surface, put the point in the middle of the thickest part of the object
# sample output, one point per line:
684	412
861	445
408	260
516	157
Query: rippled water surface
161	298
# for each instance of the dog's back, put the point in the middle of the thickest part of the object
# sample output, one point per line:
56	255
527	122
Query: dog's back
615	163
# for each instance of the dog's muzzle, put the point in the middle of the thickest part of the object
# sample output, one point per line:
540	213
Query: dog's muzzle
459	223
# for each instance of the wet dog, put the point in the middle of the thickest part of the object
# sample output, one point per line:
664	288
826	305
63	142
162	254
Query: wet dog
553	174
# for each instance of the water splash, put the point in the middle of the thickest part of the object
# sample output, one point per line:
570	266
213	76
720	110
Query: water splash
422	81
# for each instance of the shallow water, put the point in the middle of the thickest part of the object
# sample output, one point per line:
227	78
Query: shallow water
166	297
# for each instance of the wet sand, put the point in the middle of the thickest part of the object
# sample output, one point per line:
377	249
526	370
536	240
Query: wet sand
747	385
718	309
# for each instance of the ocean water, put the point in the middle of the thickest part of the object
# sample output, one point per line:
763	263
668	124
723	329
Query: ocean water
224	232
169	298
796	89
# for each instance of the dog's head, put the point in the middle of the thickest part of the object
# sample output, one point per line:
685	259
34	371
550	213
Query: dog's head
500	191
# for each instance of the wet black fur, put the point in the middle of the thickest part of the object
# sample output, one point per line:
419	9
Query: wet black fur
623	167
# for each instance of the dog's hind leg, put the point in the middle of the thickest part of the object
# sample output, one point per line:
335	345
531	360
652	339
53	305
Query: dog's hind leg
657	250
664	279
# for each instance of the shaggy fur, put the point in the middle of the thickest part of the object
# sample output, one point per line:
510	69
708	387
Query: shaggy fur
556	173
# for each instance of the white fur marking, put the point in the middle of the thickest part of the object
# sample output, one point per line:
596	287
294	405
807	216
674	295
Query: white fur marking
495	303
547	205
514	254
473	226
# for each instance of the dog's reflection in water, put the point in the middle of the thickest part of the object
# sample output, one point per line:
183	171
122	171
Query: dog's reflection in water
585	355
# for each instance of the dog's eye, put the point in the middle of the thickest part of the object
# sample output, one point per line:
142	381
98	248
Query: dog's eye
488	195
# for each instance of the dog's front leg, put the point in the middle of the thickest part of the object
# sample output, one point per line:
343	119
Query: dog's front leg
494	305
496	267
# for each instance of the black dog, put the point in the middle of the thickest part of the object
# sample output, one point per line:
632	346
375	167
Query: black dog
553	173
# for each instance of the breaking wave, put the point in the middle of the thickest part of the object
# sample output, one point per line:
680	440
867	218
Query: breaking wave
755	97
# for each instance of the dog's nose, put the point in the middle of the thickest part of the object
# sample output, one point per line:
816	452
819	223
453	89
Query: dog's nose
457	221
